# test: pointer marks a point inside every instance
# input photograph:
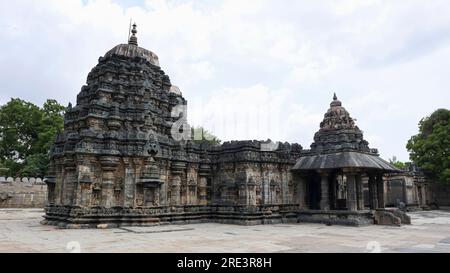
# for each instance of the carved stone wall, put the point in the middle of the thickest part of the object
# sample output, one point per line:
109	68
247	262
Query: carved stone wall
119	154
414	189
245	174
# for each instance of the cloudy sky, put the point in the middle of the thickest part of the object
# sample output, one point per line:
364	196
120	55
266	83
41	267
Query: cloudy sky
249	69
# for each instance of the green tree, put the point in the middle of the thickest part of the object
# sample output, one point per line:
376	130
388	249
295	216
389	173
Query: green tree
19	125
35	165
201	135
430	148
398	164
52	122
27	133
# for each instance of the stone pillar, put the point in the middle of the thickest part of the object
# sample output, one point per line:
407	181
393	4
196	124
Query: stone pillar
324	191
107	188
424	196
242	194
50	180
301	191
192	193
59	180
265	188
128	183
333	193
406	200
251	191
179	177
84	183
373	193
359	192
157	197
69	186
51	193
175	190
285	185
204	172
202	191
351	190
380	190
272	192
108	168
86	192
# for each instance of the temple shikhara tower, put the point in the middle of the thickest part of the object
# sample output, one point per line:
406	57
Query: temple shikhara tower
331	173
119	161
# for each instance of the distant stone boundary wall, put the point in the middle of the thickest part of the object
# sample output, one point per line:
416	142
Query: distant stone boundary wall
439	194
22	192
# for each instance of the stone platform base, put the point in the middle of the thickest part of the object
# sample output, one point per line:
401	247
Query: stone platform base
336	217
99	217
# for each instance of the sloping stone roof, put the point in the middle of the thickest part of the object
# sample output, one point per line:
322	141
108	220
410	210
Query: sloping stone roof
339	143
344	160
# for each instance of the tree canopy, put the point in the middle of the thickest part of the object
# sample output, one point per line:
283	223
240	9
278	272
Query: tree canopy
429	149
26	135
398	164
201	135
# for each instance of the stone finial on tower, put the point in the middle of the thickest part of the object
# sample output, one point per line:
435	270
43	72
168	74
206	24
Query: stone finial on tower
133	38
335	101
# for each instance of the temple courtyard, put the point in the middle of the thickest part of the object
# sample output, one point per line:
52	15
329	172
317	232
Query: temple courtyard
20	231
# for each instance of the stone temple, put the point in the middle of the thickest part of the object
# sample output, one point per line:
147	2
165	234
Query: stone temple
118	163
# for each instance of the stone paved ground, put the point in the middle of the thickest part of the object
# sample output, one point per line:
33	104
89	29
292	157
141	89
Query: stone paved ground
20	231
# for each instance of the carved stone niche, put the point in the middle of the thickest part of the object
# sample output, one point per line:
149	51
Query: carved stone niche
242	188
96	194
150	174
192	187
149	184
118	190
273	183
251	191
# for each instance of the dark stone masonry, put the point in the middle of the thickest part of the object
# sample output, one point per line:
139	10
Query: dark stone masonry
122	160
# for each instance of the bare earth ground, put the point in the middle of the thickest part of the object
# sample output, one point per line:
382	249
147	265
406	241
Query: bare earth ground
20	231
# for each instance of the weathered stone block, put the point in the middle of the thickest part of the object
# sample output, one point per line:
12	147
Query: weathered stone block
384	217
404	218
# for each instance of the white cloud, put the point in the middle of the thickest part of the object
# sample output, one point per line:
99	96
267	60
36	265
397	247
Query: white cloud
256	112
347	7
388	61
241	113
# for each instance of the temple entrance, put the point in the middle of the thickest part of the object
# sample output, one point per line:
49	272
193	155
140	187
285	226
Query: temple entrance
313	189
